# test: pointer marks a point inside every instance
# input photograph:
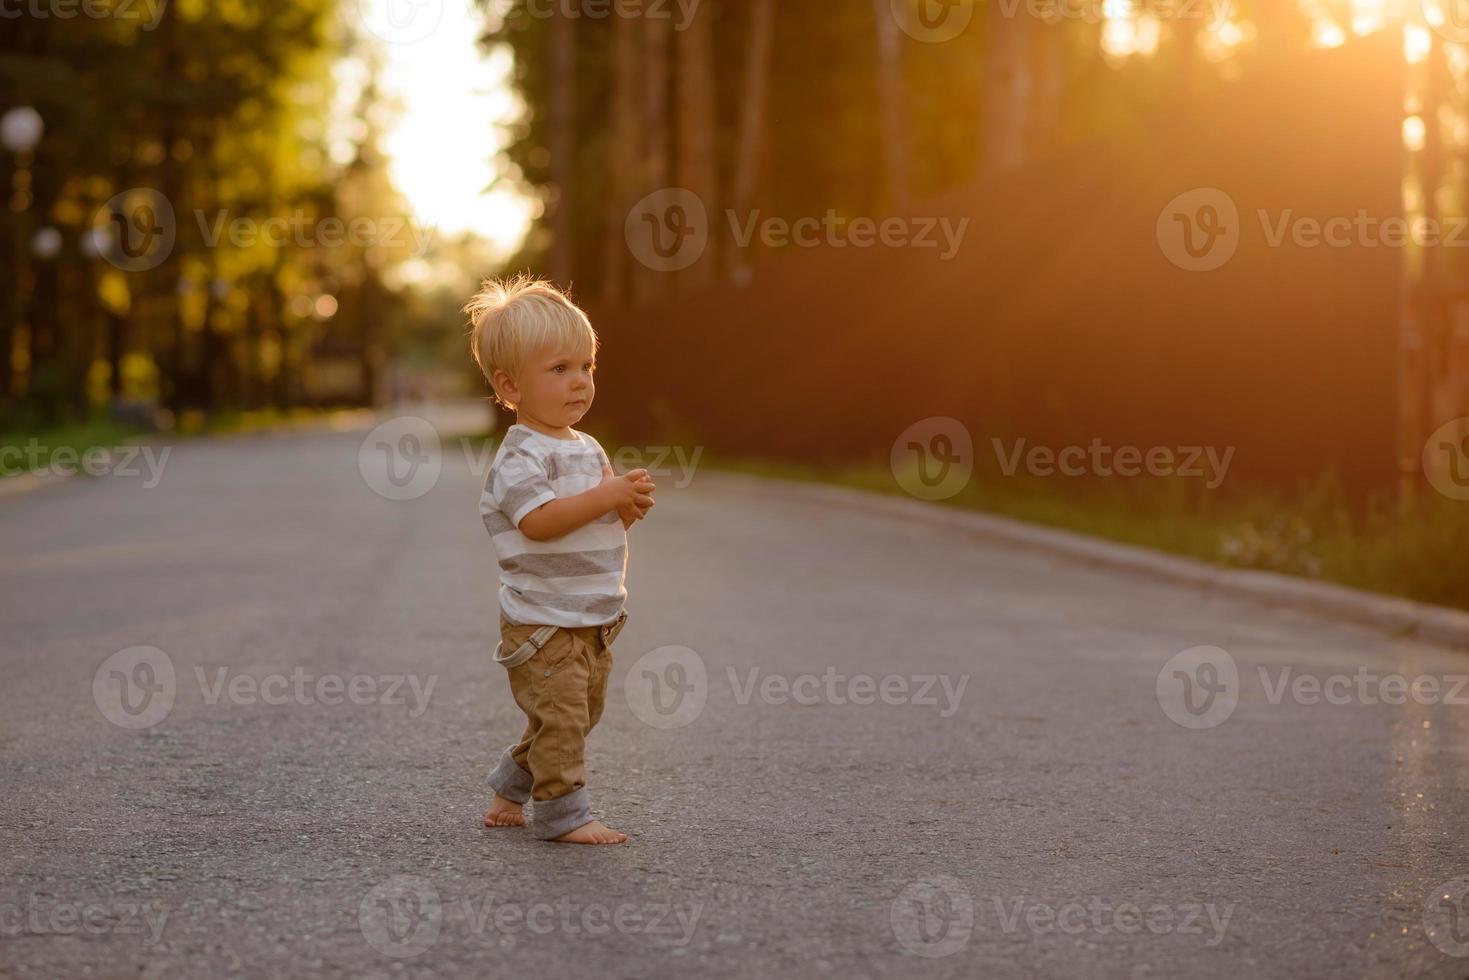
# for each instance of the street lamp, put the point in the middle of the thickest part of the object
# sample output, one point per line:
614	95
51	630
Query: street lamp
47	243
20	131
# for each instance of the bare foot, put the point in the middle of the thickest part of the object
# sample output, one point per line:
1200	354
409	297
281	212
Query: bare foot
504	813
595	832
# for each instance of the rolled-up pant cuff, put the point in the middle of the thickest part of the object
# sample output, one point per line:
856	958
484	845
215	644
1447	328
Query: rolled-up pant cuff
552	818
509	780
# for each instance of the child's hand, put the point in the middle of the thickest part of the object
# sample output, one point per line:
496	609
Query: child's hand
632	493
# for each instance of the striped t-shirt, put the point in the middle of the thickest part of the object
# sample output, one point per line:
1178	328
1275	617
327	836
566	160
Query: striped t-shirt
573	580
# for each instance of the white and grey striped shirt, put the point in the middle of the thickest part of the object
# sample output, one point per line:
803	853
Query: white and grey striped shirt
573	580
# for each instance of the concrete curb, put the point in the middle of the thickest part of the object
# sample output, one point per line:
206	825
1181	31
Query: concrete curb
1391	614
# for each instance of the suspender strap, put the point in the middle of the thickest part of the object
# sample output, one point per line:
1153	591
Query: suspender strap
543	636
527	649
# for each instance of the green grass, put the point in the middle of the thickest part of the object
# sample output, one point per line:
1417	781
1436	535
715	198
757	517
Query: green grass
1418	549
22	451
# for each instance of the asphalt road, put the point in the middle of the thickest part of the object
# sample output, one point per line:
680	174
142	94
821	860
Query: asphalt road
851	745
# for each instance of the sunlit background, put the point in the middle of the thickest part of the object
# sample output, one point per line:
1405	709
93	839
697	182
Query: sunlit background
451	104
174	254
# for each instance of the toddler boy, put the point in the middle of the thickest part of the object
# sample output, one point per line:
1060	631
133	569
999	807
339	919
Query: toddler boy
558	517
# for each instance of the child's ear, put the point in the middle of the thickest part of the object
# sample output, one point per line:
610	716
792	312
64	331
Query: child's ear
505	387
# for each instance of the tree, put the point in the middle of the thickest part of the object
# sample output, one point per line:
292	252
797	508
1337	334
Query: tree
894	110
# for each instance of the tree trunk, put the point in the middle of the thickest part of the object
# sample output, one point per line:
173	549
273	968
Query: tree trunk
176	365
9	281
892	93
652	284
1048	68
696	168
751	144
1007	91
563	129
624	152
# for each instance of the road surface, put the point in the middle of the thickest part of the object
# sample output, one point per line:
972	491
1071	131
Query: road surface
249	708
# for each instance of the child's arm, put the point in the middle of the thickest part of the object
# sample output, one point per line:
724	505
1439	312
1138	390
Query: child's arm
556	518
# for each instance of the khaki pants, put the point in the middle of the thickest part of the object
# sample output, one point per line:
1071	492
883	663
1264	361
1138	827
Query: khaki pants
562	690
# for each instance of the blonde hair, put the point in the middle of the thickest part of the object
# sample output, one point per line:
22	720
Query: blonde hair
512	318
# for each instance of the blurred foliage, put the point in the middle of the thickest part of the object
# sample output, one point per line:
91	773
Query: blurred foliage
823	141
225	109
